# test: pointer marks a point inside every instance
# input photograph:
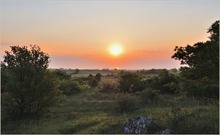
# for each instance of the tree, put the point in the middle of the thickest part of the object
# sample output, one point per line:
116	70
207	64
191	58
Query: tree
94	80
130	82
4	78
76	71
98	76
62	75
165	82
90	76
202	59
32	88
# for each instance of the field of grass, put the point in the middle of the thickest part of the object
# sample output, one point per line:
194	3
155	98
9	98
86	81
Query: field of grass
92	111
86	72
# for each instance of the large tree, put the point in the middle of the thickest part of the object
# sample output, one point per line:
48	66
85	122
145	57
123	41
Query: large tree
201	60
31	87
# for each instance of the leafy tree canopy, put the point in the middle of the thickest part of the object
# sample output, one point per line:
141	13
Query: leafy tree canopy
201	75
202	58
31	87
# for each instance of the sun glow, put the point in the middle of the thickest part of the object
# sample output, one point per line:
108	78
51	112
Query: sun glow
115	49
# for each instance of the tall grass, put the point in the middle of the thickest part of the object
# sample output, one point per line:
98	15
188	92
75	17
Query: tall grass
91	111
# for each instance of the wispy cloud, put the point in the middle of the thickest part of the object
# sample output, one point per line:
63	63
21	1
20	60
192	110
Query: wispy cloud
149	51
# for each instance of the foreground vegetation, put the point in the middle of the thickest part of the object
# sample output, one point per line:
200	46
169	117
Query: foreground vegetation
94	111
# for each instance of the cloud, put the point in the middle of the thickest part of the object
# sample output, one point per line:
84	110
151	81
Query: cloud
149	51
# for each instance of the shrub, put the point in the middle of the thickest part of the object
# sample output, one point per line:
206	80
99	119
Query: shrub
165	82
69	87
98	76
149	95
203	87
90	76
108	87
175	117
62	75
124	104
130	82
76	71
93	82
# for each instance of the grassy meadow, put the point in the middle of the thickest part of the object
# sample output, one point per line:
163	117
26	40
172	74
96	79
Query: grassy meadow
97	110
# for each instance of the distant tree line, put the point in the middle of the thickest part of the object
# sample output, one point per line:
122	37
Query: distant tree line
154	71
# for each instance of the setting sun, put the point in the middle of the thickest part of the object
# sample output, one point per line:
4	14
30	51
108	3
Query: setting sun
116	49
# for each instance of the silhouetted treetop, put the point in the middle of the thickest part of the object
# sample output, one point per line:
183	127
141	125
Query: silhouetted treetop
202	58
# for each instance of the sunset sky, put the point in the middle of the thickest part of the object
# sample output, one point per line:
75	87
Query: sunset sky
78	34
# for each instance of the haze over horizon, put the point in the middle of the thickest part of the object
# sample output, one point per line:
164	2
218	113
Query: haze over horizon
78	34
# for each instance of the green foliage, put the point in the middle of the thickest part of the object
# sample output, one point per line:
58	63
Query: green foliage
76	71
90	76
94	81
4	77
62	75
31	87
165	82
69	87
125	104
176	118
200	120
90	112
130	82
202	59
98	76
108	88
203	87
197	120
149	96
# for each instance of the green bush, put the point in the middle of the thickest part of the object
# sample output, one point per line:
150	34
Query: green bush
94	81
130	82
203	87
61	74
165	82
108	87
98	76
149	95
125	104
69	87
173	118
176	118
76	71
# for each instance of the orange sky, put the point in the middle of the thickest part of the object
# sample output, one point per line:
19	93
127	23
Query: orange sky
77	34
